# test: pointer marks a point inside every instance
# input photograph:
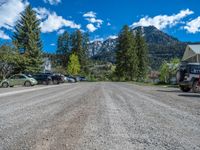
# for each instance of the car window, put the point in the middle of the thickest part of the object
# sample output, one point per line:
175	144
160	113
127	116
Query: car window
22	77
13	77
195	69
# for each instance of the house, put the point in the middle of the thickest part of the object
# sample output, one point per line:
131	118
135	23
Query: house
46	65
192	54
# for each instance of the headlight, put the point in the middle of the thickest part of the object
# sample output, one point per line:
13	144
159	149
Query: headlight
33	80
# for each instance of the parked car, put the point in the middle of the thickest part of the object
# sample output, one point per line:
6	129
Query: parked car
43	78
188	77
77	78
18	79
83	79
80	78
70	80
72	77
56	78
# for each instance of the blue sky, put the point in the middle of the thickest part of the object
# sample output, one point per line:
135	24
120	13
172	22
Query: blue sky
104	18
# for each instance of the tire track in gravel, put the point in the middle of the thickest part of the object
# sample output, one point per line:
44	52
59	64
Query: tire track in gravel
69	125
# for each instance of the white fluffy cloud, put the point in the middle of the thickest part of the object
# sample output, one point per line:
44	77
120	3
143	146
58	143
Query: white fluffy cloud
90	14
112	37
193	26
4	36
94	20
163	21
52	2
108	24
41	12
91	27
61	31
9	13
53	44
55	22
94	23
52	22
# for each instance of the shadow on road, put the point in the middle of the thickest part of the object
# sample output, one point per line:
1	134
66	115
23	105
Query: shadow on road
190	95
170	91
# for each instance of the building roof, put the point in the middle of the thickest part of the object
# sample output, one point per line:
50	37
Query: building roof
192	53
195	48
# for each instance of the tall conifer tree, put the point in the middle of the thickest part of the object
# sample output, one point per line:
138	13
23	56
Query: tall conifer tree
141	49
126	57
63	48
27	40
132	58
80	48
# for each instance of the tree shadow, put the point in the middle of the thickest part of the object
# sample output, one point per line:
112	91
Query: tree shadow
190	95
170	91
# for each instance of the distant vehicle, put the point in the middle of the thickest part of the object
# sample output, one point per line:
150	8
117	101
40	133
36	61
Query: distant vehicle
18	79
71	77
43	78
70	80
56	78
80	78
83	79
188	77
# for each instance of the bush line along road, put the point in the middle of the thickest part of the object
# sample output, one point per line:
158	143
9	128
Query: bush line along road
99	116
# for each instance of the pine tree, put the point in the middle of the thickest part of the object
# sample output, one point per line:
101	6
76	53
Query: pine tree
77	47
63	48
73	67
27	40
80	48
141	49
133	59
126	58
85	58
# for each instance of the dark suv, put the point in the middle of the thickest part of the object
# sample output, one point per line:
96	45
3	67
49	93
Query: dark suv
43	78
188	77
56	78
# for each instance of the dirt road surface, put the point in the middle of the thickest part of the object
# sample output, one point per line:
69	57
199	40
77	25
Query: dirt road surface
101	116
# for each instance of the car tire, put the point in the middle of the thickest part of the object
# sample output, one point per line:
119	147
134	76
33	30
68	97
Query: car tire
50	82
5	85
195	87
27	84
45	82
185	88
55	82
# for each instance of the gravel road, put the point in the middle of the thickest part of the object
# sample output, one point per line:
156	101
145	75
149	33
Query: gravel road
99	116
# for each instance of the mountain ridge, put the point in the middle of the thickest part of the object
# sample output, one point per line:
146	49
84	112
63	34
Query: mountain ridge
161	47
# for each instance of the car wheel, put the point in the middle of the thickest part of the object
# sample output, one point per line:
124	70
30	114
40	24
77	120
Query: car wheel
50	82
55	82
27	84
196	87
45	82
5	85
185	89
